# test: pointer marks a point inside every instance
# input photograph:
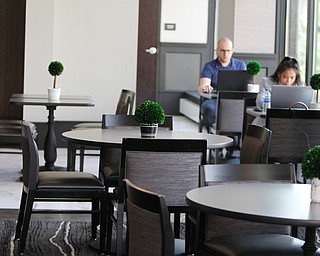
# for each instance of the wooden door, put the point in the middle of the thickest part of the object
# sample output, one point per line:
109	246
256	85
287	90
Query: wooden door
12	43
149	11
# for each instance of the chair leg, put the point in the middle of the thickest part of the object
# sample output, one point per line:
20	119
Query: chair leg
71	156
110	213
95	218
26	222
82	149
103	222
120	216
176	224
21	214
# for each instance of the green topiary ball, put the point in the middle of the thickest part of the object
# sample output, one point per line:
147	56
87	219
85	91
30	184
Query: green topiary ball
55	68
315	82
149	112
311	163
253	68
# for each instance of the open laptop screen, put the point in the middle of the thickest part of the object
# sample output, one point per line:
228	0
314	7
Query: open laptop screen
233	80
284	96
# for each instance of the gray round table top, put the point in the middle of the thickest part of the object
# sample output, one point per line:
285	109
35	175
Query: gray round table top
288	204
115	136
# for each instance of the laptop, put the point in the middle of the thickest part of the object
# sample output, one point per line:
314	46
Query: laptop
233	80
284	96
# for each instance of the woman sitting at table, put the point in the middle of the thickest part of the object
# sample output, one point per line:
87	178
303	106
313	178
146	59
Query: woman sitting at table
286	74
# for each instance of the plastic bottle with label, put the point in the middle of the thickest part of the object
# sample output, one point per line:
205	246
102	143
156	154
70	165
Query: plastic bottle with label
266	101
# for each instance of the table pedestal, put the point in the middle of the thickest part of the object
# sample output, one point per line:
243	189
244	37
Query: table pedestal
50	143
309	247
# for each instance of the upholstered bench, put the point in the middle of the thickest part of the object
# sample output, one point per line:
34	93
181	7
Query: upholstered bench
10	134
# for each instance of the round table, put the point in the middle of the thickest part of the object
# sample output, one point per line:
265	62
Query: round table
113	138
287	204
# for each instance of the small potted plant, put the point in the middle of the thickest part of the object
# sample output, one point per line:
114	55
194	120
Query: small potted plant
55	69
253	69
311	171
315	85
149	115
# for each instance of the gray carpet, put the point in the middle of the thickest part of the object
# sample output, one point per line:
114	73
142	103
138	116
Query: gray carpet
49	238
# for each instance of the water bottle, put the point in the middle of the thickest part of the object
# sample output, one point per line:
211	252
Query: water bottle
266	101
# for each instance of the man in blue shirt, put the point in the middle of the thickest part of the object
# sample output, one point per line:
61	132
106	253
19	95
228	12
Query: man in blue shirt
209	76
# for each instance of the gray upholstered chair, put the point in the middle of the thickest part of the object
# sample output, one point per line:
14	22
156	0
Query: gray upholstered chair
165	166
294	131
50	186
255	145
231	110
149	231
124	107
232	237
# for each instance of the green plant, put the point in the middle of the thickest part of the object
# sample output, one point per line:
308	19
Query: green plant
315	84
253	68
311	163
55	69
149	112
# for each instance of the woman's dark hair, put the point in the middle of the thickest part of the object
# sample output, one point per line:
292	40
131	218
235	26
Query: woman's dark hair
285	64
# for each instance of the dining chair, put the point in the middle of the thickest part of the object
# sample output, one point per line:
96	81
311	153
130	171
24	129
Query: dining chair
255	145
226	236
124	107
51	186
165	166
294	132
231	110
149	231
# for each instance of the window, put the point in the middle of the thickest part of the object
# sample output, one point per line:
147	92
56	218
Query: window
296	27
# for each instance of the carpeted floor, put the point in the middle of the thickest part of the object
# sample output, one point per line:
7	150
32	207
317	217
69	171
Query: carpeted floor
49	238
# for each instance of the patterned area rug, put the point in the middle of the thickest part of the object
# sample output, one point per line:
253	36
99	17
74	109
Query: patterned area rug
64	238
49	238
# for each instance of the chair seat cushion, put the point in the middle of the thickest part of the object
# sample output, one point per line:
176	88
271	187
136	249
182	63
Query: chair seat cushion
252	245
71	180
10	133
111	170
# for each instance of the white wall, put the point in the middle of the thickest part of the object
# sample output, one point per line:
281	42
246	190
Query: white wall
190	18
96	40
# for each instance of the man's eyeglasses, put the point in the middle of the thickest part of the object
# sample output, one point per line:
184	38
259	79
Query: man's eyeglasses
225	50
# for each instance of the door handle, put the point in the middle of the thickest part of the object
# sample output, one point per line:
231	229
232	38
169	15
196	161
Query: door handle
152	50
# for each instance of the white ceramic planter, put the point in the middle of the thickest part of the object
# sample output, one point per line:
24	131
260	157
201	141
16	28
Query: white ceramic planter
314	105
148	131
54	93
315	190
253	88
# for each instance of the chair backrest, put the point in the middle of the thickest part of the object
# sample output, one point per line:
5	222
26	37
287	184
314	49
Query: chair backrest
255	145
123	121
125	103
165	166
30	157
211	175
149	230
294	131
231	111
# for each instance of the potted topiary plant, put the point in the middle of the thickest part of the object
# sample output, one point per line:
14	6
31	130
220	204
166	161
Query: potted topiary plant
55	69
311	171
253	69
149	115
315	85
